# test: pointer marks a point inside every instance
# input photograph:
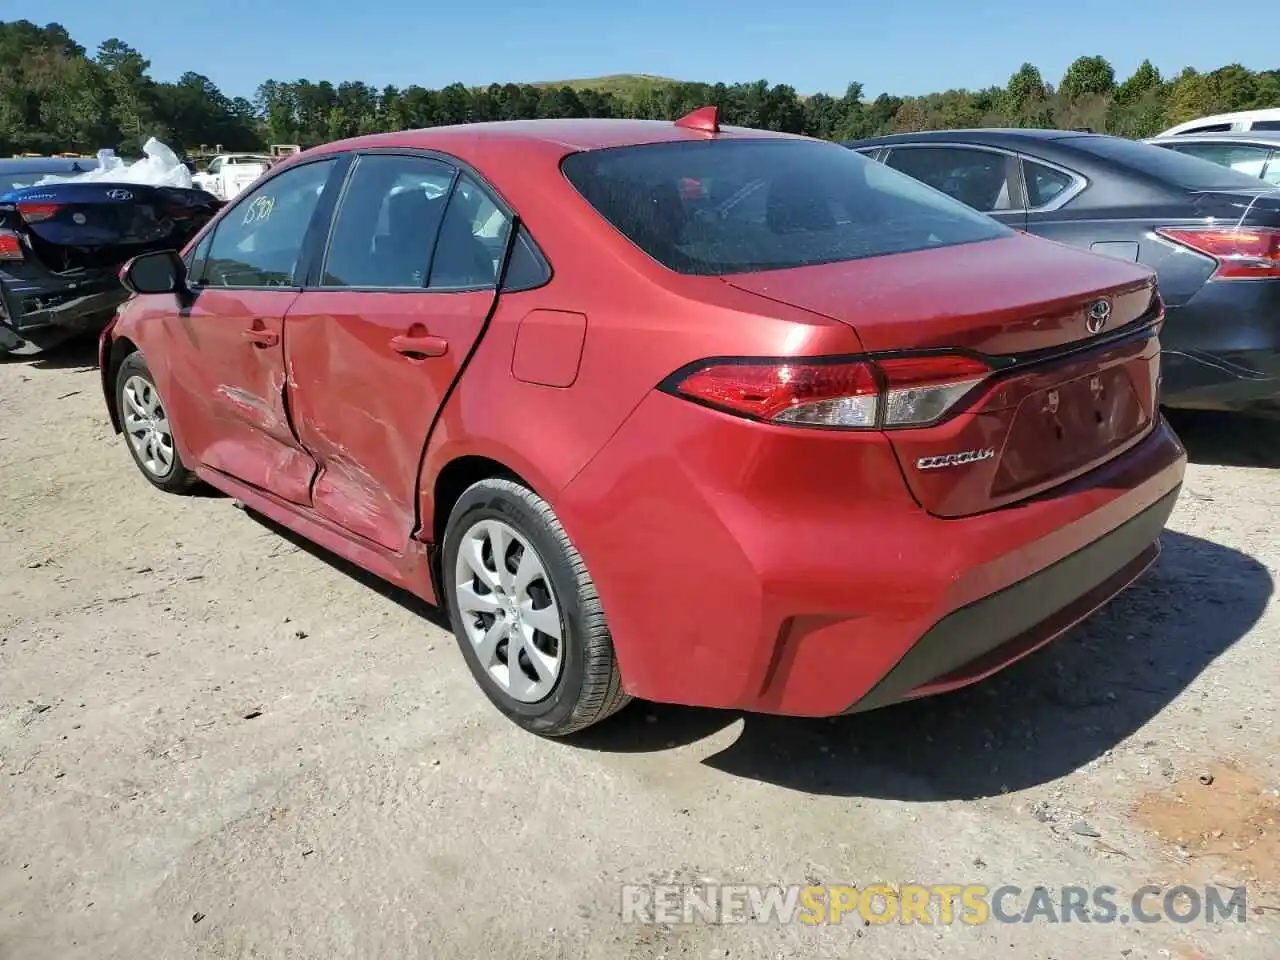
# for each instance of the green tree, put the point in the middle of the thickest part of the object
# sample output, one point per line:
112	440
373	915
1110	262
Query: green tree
133	110
53	96
911	117
1191	95
1088	76
1235	88
1025	90
1145	80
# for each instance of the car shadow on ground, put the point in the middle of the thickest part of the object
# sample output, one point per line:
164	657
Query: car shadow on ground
409	601
1228	439
1039	720
78	353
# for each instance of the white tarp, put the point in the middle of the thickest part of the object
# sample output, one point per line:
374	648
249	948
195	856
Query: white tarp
160	167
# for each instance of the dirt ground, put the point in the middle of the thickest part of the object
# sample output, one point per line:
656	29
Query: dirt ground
215	742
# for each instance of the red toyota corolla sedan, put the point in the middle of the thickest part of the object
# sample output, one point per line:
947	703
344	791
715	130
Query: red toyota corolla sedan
668	410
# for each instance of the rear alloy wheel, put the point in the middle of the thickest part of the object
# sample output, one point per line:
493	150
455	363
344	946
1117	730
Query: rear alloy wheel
147	429
525	611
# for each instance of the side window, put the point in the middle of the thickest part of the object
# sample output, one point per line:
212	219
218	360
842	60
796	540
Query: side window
1208	128
1272	173
1243	157
472	239
387	223
198	258
979	178
527	269
214	165
1265	125
258	242
1044	184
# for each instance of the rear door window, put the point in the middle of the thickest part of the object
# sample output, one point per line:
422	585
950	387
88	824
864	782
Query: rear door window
387	222
741	205
977	178
473	238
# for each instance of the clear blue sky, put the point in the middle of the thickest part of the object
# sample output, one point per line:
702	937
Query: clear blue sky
908	47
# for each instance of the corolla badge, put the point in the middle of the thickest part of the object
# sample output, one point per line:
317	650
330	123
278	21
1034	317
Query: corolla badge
119	195
1099	314
955	459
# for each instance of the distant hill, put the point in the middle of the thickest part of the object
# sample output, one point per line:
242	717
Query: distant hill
618	84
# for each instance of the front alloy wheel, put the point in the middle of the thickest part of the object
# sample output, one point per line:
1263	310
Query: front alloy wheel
146	427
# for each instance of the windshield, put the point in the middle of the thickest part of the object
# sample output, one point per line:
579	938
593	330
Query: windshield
735	206
1189	173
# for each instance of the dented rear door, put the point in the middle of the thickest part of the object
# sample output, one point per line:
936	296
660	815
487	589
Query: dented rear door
374	344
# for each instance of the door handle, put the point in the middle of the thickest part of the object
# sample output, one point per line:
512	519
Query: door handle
261	338
423	346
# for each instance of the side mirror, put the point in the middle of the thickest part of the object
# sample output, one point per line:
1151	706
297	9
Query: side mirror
161	271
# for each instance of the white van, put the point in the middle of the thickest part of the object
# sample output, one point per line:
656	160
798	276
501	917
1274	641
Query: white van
1268	119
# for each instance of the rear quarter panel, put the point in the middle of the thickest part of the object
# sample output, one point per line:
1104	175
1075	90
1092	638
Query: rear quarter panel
1180	273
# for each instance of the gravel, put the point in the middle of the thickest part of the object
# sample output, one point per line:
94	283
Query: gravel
217	742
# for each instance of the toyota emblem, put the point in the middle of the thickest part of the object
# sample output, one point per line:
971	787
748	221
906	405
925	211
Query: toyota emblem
1099	314
119	195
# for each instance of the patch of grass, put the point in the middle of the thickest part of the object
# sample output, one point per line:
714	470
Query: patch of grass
622	85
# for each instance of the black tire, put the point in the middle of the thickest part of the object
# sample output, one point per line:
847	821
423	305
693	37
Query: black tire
177	479
589	686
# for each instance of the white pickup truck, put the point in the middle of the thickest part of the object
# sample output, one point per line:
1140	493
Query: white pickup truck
229	173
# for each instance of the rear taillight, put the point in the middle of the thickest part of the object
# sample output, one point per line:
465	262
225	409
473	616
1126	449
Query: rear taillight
10	246
36	212
853	394
1242	253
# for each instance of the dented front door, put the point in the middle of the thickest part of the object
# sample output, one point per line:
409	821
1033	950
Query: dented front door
231	369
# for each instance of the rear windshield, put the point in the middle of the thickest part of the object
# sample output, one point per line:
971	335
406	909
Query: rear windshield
736	206
24	176
1189	173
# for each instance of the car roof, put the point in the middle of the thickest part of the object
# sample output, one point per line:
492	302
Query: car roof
1260	137
548	135
1235	116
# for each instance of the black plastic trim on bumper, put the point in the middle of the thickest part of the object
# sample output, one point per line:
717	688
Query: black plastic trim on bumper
83	307
984	626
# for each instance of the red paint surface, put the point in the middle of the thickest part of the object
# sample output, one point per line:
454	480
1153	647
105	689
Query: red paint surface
362	407
709	537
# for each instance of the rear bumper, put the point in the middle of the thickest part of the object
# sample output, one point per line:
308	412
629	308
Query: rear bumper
44	308
794	574
1222	347
989	634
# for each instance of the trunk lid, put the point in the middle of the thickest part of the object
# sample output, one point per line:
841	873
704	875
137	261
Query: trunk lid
1245	208
95	225
1064	396
1008	296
